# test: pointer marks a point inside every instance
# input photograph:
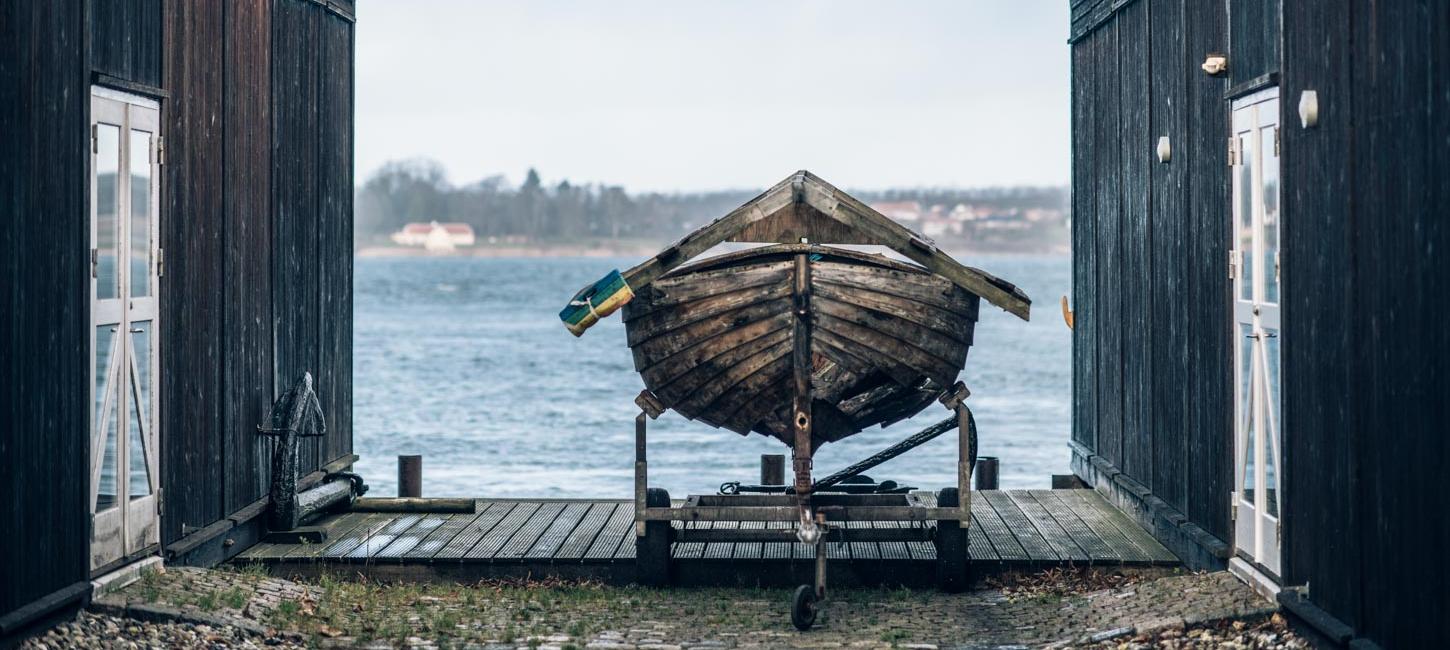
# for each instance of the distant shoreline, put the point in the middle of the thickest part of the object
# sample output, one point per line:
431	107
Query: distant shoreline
544	250
616	250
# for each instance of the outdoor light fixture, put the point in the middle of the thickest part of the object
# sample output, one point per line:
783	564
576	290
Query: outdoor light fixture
1308	108
1215	64
1165	150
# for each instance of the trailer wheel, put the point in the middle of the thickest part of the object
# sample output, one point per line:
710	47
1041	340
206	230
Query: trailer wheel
652	552
803	607
952	556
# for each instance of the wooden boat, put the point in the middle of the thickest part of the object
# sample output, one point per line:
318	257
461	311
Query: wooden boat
799	338
712	340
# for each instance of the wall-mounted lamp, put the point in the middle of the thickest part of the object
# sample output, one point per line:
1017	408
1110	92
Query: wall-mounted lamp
1308	109
1165	150
1215	64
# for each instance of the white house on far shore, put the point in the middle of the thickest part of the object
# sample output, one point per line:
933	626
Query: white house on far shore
434	236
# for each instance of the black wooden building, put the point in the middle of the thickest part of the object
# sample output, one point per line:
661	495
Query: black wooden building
1261	277
175	238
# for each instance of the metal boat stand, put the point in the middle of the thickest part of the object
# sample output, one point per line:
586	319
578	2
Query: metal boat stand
820	514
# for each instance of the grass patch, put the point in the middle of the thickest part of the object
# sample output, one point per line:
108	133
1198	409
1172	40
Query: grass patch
234	598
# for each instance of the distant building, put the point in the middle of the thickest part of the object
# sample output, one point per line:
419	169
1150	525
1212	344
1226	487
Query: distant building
899	210
936	222
435	236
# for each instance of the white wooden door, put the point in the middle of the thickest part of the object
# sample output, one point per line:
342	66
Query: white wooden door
125	266
1254	264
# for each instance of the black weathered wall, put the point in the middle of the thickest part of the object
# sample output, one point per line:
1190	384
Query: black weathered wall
126	40
1150	240
1366	273
44	296
1366	278
258	285
256	223
312	203
1253	46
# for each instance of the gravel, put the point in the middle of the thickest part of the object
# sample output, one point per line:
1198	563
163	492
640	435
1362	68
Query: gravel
89	630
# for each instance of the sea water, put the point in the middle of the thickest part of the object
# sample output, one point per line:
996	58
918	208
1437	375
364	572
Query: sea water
464	360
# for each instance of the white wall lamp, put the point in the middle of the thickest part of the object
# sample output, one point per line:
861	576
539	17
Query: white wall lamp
1165	150
1215	64
1309	109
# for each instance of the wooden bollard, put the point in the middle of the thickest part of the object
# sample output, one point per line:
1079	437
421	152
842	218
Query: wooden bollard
772	469
410	476
986	473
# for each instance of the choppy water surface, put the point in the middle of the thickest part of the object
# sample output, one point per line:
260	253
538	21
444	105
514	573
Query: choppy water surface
464	360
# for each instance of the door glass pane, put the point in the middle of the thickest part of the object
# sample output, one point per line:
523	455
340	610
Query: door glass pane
106	495
1245	222
105	340
108	202
141	351
1246	409
1270	173
140	213
140	484
1273	403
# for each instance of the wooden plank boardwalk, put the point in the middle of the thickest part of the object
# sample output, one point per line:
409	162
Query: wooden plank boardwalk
593	538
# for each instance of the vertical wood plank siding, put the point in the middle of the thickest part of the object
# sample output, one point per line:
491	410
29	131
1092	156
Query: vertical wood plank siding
1145	382
1108	297
1253	46
1084	245
1365	269
248	388
258	236
1209	474
44	239
1135	278
126	40
1321	542
1148	256
192	288
1167	321
336	196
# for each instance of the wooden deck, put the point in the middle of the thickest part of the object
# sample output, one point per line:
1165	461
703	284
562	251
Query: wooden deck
594	539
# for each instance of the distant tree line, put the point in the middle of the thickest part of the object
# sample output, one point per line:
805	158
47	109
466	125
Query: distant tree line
419	191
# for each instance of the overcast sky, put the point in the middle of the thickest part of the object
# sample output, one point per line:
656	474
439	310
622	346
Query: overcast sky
676	95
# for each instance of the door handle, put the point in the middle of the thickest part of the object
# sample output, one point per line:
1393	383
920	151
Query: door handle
137	330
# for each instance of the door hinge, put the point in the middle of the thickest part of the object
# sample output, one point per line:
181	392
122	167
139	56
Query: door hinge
1233	151
95	147
1233	506
160	262
1276	266
1276	142
95	262
1233	264
160	500
160	150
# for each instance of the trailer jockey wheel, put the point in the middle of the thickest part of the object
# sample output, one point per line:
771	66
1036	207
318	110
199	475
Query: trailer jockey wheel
652	552
803	607
951	546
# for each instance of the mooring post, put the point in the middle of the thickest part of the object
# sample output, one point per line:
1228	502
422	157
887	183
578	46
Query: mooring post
772	469
410	476
987	473
641	474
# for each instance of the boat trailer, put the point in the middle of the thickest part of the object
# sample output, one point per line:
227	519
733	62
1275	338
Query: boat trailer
820	510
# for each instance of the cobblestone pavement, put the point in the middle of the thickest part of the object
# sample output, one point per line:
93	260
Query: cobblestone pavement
1182	610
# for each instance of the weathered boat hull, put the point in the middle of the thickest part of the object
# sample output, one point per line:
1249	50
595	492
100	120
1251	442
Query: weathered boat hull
714	340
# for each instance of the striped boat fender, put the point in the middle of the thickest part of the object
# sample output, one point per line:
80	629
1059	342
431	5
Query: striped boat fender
595	302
